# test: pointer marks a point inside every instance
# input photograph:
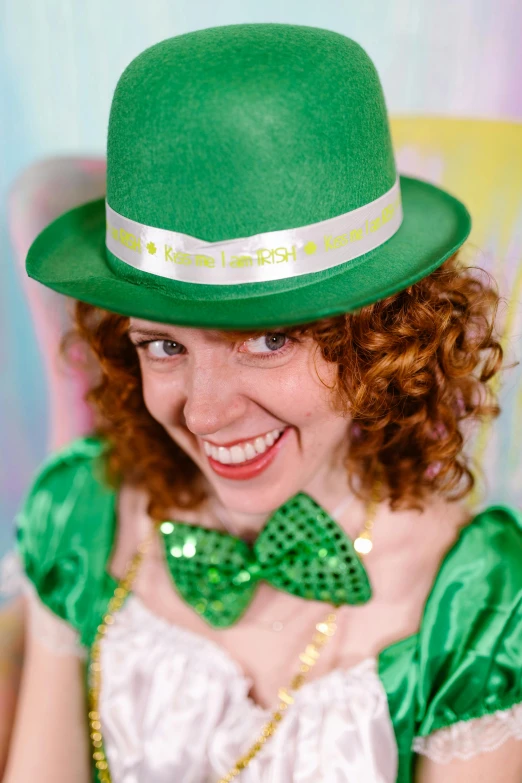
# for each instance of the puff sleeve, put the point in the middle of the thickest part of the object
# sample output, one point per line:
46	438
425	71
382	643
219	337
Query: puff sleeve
470	645
455	687
65	534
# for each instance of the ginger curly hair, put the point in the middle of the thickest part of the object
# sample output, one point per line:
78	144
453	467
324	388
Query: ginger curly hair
411	369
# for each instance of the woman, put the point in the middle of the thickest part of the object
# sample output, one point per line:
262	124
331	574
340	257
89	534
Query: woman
288	349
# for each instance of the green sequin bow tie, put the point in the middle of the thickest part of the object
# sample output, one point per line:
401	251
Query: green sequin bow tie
301	550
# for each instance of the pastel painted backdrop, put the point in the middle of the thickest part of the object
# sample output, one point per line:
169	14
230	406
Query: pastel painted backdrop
451	73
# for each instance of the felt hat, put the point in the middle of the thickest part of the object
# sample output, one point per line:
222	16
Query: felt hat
251	182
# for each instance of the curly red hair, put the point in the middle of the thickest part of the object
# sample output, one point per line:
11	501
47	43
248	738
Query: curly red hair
411	369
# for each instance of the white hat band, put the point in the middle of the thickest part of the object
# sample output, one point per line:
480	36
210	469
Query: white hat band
271	256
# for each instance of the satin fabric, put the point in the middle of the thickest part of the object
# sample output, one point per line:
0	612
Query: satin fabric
465	661
65	534
192	717
305	249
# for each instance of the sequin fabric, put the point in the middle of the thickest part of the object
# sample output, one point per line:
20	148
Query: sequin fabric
300	550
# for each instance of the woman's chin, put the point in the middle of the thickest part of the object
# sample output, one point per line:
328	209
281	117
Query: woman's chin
262	493
255	501
258	485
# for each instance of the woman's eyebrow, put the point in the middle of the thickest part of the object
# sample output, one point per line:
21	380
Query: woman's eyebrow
155	333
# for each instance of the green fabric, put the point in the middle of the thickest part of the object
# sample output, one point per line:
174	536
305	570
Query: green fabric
234	131
201	120
465	661
65	533
301	550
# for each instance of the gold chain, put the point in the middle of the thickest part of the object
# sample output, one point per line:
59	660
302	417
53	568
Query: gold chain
116	602
363	544
323	631
308	659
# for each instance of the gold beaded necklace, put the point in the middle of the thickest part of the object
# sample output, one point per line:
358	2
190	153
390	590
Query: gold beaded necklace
307	659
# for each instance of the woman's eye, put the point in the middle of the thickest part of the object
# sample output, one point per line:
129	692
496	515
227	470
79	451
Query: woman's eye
161	349
270	342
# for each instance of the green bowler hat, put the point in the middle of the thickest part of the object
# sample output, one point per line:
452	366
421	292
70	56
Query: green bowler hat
251	183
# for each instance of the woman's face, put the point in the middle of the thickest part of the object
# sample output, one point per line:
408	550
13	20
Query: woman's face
256	416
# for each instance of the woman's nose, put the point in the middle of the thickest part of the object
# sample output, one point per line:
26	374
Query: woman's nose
213	400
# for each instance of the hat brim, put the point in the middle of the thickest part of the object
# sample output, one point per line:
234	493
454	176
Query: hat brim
69	256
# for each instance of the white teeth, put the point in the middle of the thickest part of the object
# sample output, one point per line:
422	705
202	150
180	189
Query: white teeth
250	451
239	454
260	445
224	455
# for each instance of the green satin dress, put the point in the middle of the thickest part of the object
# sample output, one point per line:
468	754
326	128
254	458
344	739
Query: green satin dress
465	662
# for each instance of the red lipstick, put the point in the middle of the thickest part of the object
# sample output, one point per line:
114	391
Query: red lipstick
253	467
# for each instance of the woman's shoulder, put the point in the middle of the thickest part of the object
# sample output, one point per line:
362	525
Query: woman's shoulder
475	604
466	660
61	465
485	560
61	488
66	526
495	525
470	642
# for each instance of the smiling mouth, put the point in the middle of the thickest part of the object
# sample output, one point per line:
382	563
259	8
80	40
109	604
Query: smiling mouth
244	451
246	459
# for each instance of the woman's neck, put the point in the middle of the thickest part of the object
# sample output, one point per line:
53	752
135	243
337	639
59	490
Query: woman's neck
329	488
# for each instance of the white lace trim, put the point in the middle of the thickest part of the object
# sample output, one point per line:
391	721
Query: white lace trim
11	575
469	738
53	632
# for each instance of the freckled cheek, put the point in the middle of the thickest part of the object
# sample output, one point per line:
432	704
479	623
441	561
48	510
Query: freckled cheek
163	399
309	399
297	398
304	408
309	406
